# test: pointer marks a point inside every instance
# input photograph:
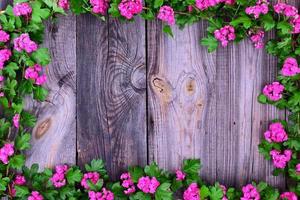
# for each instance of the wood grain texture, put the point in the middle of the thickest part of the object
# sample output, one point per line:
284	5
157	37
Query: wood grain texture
111	99
54	136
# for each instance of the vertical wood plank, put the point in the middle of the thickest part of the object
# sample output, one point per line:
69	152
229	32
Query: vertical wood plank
111	98
182	99
54	136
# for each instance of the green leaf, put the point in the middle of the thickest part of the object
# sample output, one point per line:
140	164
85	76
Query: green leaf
38	13
262	99
21	191
267	21
204	192
40	93
73	176
77	6
96	166
17	162
284	27
191	166
41	56
163	192
216	193
22	142
158	3
10	69
244	20
152	170
210	42
136	173
168	30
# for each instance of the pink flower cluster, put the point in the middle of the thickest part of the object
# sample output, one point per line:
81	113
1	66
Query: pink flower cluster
290	67
16	120
33	73
257	39
64	4
280	160
128	8
205	4
225	34
103	195
180	175
298	168
127	183
289	196
58	178
4	37
148	185
22	9
35	195
273	91
289	11
19	180
92	176
250	193
286	9
276	133
192	192
224	189
99	6
23	42
166	14
261	7
5	152
5	55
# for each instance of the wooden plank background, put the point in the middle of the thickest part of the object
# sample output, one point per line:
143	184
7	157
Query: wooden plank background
128	94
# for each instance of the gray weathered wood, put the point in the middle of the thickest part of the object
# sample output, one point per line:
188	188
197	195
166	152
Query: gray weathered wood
54	136
111	98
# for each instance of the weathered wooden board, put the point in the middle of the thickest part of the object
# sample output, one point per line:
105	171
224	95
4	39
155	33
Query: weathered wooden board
54	137
111	98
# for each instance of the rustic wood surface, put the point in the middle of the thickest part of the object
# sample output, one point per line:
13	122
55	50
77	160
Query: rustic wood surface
128	94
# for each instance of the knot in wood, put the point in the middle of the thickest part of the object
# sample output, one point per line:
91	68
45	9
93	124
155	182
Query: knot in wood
42	128
138	77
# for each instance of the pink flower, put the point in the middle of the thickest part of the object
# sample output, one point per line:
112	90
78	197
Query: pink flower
298	168
23	42
180	175
295	22
205	4
276	133
273	91
41	80
250	193
166	13
280	160
4	37
225	34
92	176
103	195
35	195
290	67
5	152
5	55
285	9
261	7
224	192
100	6
128	8
19	180
30	73
64	4
257	39
148	185
58	179
127	183
289	196
22	9
16	120
192	192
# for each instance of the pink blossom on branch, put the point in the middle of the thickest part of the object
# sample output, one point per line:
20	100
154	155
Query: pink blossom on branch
290	67
273	91
35	195
129	8
180	175
5	152
58	178
289	196
250	192
285	9
298	168
192	192
127	183
5	55
16	120
225	34
261	7
148	185
23	42
280	160
99	6
22	9
166	14
103	195
257	39
92	176
276	133
64	4
4	37
205	4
